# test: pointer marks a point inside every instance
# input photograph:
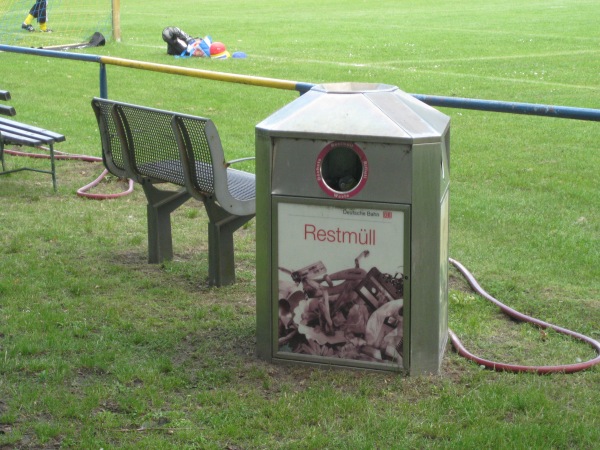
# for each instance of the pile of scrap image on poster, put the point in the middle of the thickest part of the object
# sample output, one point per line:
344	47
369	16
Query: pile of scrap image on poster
340	274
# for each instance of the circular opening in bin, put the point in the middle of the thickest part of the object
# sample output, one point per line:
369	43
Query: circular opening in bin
342	169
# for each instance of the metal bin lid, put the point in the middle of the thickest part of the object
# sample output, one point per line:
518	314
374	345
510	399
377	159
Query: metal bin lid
358	112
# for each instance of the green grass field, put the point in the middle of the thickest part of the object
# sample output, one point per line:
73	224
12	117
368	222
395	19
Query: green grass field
98	349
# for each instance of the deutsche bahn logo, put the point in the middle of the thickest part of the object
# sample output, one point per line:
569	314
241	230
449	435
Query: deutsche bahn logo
387	214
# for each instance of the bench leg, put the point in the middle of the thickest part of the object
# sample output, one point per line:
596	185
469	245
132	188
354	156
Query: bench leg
52	166
221	260
160	206
52	170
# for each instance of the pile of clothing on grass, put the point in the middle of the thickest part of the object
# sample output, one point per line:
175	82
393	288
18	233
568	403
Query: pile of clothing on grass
182	45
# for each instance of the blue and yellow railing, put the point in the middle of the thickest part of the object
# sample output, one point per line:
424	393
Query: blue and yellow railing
564	112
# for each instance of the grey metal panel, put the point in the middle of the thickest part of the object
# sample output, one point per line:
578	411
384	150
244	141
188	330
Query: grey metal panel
443	280
445	166
428	314
422	122
263	246
389	179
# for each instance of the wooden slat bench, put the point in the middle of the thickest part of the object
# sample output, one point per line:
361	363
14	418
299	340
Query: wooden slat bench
154	147
17	133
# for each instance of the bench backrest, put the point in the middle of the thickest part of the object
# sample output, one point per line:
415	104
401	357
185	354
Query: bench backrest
206	169
152	144
112	152
145	143
195	136
181	149
138	142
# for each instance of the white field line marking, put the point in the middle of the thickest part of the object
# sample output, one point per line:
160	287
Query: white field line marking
524	38
410	61
511	80
394	66
495	58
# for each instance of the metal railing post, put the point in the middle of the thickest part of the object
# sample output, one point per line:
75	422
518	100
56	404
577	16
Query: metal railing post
103	81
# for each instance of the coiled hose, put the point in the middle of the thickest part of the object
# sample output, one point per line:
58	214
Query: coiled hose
456	343
564	368
82	192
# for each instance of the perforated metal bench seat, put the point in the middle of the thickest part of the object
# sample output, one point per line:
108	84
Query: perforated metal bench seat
163	171
242	185
154	147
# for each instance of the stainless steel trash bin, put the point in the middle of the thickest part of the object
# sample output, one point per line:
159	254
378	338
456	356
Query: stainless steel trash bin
352	230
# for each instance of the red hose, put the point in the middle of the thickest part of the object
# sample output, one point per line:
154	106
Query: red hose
82	192
457	344
564	368
57	155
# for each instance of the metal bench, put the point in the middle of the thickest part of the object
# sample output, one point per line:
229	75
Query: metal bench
17	133
154	147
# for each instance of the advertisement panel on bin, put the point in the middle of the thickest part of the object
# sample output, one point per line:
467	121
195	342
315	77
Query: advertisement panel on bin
341	273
